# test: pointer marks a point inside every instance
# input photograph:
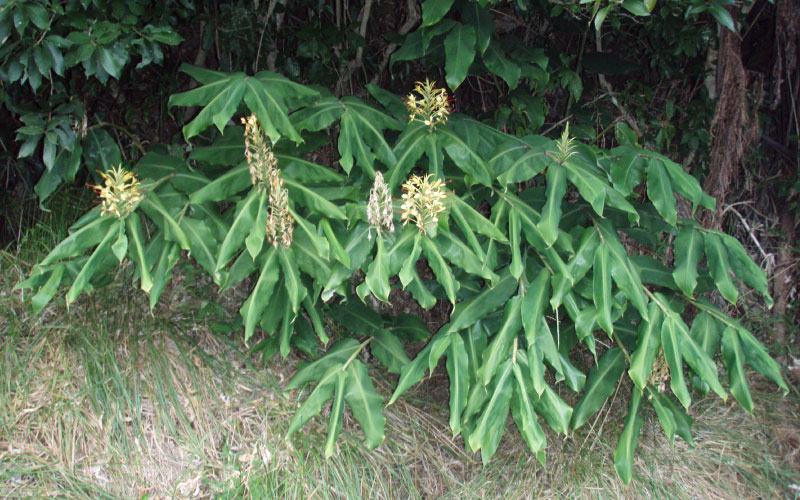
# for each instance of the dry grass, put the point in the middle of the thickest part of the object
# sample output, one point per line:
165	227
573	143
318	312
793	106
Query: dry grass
108	401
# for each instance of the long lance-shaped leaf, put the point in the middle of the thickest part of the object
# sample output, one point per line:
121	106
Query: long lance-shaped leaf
255	240
578	266
623	272
369	123
162	273
670	341
665	416
498	348
647	345
476	221
202	242
514	229
734	358
312	406
219	99
254	305
46	292
264	95
659	190
592	187
459	49
458	372
487	301
337	411
459	254
602	289
412	373
408	271
718	265
688	251
365	403
171	228
77	242
465	158
623	454
224	186
338	354
378	274
408	149
389	350
291	278
243	221
312	200
89	269
134	225
334	243
757	357
496	410
527	422
744	267
551	213
687	185
440	268
555	411
706	333
533	305
696	357
602	380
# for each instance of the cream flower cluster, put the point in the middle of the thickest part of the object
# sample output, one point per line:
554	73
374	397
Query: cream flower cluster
431	107
120	193
258	153
423	201
380	213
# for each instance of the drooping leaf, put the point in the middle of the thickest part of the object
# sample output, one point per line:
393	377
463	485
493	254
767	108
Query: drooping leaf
312	406
458	372
365	403
459	49
600	384
647	345
602	288
659	190
254	305
626	448
337	410
688	251
389	350
719	267
734	358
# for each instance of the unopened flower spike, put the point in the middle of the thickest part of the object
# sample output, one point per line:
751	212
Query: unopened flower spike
423	202
380	212
565	145
120	193
432	107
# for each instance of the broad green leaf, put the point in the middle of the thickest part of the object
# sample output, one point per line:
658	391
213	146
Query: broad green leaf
89	269
318	116
628	440
459	49
408	271
134	226
555	411
533	305
719	267
156	166
603	379
46	292
527	421
312	200
254	305
475	220
223	187
497	351
411	373
77	242
408	149
647	345
162	272
591	186
757	357
627	168
482	20
120	247
744	267
153	206
202	242
219	99
378	273
659	190
366	124
705	332
266	94
440	268
458	372
389	350
337	355
514	229
551	213
365	403
734	358
100	151
518	160
722	16
312	406
687	185
291	278
670	342
244	219
665	416
688	252
337	410
335	245
637	8
487	301
434	10
255	240
696	357
497	63
465	158
601	288
496	411
623	272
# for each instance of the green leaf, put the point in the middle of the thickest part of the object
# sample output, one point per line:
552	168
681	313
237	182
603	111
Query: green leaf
337	355
533	305
389	350
255	240
337	410
603	379
688	251
312	406
411	373
291	278
219	99
408	149
687	185
626	448
156	166
154	207
120	247
318	116
722	16
440	268
555	411
647	345
244	219
697	358
481	19
267	94
459	49
601	288
665	416
312	200
717	257
134	225
670	341
757	357
623	272
514	228
487	301
497	351
434	10
378	273
476	221
734	358
637	8
100	151
365	403
465	158
551	213
335	245
659	190
91	267
498	64
458	372
526	421
254	305
744	267
495	413
46	292
408	271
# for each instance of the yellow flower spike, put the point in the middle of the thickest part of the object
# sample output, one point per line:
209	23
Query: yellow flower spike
120	193
423	202
258	152
280	223
432	107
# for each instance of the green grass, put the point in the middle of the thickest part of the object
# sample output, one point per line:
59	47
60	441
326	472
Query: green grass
109	401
